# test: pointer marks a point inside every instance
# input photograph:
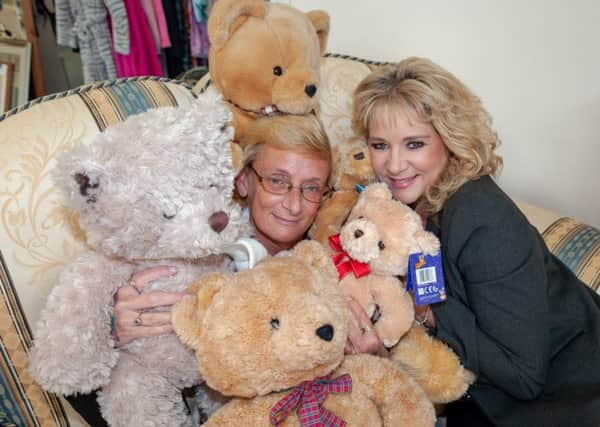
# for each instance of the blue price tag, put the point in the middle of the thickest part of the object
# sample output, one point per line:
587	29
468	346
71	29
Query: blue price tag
426	278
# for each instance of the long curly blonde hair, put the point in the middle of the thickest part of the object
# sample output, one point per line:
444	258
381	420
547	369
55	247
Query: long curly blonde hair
437	97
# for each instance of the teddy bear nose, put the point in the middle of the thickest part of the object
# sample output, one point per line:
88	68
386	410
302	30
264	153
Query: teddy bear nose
358	233
218	221
325	332
310	90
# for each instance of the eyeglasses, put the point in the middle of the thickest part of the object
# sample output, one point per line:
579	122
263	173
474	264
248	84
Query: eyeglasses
274	185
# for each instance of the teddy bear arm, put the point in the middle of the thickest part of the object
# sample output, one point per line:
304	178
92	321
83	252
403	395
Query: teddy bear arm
399	398
433	365
359	289
183	320
395	307
73	348
428	242
332	215
185	316
240	122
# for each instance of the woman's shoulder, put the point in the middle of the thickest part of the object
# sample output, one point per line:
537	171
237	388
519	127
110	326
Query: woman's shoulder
478	197
481	217
481	203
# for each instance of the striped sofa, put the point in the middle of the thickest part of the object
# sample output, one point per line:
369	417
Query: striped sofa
38	236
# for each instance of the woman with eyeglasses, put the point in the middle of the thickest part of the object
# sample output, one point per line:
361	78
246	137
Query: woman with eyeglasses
286	166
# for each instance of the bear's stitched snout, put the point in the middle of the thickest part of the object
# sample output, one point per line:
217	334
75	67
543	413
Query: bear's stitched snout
218	221
310	90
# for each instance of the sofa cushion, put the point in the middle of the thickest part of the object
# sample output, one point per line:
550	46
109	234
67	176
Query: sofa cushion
37	235
578	247
111	104
23	402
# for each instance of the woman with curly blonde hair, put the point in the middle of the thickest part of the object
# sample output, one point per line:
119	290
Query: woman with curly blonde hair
514	314
427	92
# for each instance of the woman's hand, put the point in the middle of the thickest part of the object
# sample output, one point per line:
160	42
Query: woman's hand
131	320
362	337
424	315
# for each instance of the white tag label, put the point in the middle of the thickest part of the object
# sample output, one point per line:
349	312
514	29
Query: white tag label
426	275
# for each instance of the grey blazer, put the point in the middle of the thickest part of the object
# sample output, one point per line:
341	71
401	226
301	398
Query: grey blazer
516	315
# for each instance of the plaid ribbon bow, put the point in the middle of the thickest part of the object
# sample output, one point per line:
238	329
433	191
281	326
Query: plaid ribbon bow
343	262
308	398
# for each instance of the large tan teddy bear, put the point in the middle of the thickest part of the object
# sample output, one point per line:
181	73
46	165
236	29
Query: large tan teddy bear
274	337
265	57
380	234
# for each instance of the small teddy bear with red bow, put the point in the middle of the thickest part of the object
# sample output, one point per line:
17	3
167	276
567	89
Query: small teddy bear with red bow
371	251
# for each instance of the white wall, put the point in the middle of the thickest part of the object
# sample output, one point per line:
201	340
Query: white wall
534	63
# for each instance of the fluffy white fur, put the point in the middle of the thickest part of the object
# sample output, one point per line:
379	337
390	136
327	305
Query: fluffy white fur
144	191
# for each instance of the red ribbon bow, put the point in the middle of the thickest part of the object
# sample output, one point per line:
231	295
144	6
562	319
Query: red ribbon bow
344	263
308	398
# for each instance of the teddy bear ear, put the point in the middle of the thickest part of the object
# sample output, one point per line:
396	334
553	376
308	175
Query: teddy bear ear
320	20
227	16
378	191
187	314
314	254
237	155
78	175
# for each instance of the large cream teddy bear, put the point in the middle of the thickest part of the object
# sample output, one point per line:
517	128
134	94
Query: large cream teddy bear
265	58
274	337
379	235
154	190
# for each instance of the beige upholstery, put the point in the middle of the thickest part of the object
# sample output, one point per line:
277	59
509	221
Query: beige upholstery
36	232
539	217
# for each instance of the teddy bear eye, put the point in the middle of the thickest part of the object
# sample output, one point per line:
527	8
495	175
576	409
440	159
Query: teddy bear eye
277	70
381	245
275	323
165	216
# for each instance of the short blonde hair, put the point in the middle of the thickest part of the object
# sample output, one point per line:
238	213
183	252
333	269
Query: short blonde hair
300	134
437	97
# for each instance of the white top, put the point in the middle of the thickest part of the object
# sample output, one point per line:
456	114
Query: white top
245	252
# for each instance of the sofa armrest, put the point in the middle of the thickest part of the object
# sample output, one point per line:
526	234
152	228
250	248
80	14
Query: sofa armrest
37	235
577	245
